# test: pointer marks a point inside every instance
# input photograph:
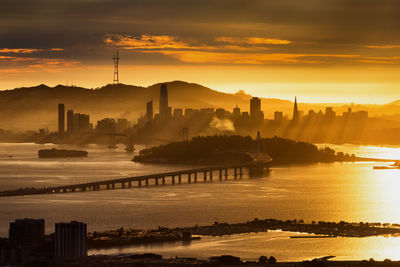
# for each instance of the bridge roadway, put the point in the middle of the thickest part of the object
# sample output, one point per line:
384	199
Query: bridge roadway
175	177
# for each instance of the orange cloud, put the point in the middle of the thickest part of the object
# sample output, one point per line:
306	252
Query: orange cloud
233	50
248	58
383	46
163	42
19	50
252	40
149	42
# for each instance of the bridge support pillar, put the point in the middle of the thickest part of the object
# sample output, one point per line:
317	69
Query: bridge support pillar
139	183
108	186
195	177
129	184
205	176
211	175
113	186
220	174
123	185
83	188
147	182
180	178
163	180
235	173
189	178
156	180
173	179
240	172
226	174
73	189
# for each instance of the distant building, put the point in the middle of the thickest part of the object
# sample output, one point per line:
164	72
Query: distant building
105	125
189	112
149	111
329	113
278	116
61	118
122	125
27	232
80	123
256	115
70	121
164	110
220	112
178	113
207	110
236	111
255	106
70	240
296	114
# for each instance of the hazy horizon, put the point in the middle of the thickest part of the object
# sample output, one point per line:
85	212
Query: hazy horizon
240	88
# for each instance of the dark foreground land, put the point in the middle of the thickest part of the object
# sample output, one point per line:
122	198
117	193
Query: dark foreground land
123	237
224	260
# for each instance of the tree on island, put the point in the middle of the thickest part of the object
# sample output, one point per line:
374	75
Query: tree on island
219	149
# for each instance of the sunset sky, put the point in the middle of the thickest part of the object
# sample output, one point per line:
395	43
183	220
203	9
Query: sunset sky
319	50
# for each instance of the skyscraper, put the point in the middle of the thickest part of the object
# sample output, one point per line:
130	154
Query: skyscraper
296	115
149	111
163	110
70	121
61	118
255	106
256	115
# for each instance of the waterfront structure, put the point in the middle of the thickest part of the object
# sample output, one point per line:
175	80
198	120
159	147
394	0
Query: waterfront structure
70	121
27	233
149	111
61	118
70	240
296	114
260	164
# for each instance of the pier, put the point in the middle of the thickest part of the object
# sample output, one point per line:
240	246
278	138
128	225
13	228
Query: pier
207	174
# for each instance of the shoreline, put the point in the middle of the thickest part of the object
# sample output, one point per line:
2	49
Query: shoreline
321	229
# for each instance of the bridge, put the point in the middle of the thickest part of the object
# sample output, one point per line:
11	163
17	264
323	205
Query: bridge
207	174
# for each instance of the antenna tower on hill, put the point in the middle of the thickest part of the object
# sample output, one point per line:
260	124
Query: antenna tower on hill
116	59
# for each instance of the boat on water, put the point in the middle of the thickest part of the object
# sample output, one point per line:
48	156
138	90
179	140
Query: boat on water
394	166
61	153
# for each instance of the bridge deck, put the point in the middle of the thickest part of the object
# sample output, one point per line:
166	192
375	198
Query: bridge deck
110	184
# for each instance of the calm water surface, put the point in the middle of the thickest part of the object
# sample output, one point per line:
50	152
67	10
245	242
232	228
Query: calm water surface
331	192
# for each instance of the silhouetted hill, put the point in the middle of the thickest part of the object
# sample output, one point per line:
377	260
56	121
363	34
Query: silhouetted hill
36	107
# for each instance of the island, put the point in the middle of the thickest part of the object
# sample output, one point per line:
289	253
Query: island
236	149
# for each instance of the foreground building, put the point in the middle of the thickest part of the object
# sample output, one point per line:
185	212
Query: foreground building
70	240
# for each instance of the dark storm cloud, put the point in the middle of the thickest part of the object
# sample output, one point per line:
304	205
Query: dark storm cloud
312	26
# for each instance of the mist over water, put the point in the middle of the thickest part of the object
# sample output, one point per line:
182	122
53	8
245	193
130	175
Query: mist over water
330	192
